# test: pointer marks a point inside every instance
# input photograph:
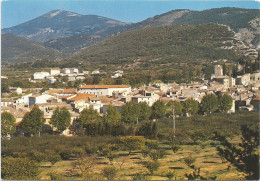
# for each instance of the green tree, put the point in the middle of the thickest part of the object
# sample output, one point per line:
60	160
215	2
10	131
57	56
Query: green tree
61	118
132	142
245	155
145	111
130	112
225	102
4	85
158	109
89	118
112	116
32	121
19	169
191	106
176	105
209	103
7	124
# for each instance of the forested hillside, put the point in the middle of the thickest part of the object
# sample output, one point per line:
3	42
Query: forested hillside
177	42
19	49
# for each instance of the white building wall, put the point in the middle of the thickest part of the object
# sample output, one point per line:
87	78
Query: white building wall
55	71
40	75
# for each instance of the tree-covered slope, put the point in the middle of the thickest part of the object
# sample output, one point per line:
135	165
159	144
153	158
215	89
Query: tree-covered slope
18	49
179	42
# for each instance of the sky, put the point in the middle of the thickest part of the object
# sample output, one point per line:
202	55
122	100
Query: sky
15	12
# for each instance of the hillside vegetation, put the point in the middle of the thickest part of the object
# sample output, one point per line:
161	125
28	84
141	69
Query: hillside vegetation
18	49
179	43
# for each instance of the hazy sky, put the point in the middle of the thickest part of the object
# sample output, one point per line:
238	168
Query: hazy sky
18	11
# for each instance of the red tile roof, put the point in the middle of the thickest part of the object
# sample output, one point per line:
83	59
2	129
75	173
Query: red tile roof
104	86
81	96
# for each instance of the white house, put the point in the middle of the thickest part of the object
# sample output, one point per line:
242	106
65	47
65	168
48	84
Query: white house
149	98
23	99
17	90
39	99
6	101
104	89
40	75
55	71
70	70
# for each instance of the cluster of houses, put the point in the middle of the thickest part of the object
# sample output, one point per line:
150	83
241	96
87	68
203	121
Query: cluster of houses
245	91
72	73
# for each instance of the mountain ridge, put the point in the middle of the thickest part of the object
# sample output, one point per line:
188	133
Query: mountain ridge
59	24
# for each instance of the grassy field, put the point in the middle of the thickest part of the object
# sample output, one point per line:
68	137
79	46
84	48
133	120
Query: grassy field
206	158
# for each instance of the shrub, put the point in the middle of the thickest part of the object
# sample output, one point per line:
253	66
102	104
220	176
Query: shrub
152	144
52	157
139	176
109	172
56	176
157	154
19	169
152	166
77	151
189	160
19	154
65	154
38	156
175	147
169	174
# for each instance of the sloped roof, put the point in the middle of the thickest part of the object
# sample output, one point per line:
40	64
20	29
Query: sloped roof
104	86
81	96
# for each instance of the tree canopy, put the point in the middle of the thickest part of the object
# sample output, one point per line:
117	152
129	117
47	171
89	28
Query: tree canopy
209	103
32	121
225	102
61	118
191	106
7	123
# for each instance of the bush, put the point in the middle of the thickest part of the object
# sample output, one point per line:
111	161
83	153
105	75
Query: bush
38	156
157	154
56	176
152	166
77	151
109	172
169	174
152	144
52	157
19	154
189	160
139	176
19	169
65	154
175	147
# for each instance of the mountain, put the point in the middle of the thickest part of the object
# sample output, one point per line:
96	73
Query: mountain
19	49
59	23
245	23
164	44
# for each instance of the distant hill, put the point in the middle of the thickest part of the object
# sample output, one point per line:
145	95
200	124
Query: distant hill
174	43
19	49
72	44
245	22
59	24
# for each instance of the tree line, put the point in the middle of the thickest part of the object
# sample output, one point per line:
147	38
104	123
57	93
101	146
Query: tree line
114	122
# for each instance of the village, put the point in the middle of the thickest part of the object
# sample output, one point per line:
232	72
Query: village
243	89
